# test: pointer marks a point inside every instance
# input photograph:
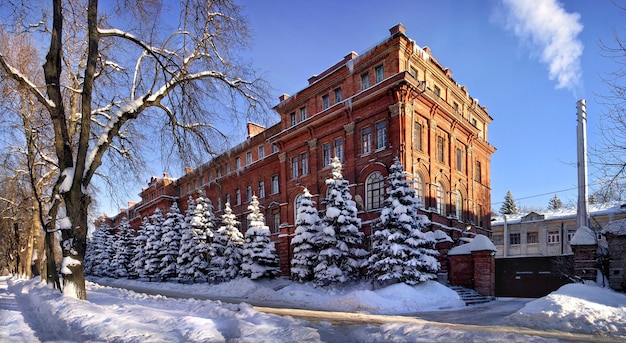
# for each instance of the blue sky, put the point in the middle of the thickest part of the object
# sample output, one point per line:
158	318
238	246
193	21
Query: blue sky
534	127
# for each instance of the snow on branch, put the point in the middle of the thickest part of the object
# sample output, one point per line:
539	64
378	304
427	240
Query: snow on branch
24	81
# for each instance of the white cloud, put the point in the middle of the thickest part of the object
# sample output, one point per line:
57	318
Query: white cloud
552	33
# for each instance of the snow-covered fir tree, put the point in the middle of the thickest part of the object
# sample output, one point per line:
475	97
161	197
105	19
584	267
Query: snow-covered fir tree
340	258
509	206
138	260
153	244
229	240
188	242
555	203
401	252
170	243
124	246
97	255
304	242
259	255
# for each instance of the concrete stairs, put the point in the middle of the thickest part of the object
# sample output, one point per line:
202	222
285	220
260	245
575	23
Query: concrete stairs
470	296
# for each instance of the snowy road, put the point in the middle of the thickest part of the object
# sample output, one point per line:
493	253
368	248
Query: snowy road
340	326
32	312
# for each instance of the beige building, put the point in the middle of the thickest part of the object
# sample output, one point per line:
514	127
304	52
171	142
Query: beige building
548	234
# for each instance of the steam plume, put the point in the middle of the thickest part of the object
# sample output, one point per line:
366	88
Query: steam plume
552	32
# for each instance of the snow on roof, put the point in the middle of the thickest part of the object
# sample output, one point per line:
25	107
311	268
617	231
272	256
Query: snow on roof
616	227
479	243
562	213
584	236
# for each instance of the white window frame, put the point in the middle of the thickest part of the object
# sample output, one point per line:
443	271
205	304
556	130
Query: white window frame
374	191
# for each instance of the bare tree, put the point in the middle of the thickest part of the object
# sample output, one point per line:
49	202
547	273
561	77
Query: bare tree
115	75
610	154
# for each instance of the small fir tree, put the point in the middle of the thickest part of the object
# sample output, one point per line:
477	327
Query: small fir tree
509	206
229	241
401	252
259	256
124	248
138	260
170	243
304	242
555	203
153	244
341	226
186	268
98	253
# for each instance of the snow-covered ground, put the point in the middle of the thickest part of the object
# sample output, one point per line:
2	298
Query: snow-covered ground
30	311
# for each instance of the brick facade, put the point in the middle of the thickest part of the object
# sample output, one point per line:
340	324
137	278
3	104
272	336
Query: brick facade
395	99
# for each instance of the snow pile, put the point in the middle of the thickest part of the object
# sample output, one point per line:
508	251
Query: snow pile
479	243
584	236
350	297
116	315
582	308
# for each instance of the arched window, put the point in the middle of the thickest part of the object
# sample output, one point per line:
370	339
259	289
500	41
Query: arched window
374	190
418	184
297	201
458	205
441	201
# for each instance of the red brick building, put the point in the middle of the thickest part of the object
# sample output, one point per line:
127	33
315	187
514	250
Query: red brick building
395	99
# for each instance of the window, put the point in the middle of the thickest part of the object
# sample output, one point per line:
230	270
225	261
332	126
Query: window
219	172
532	237
219	203
458	205
554	237
297	201
413	72
276	222
248	193
381	135
417	136
441	201
338	95
339	149
274	148
365	81
380	73
418	184
325	154
479	177
274	184
479	215
459	159
261	189
261	152
249	158
237	163
497	239
570	235
228	198
366	140
303	114
374	189
325	101
440	150
514	239
237	196
304	163
292	118
227	169
437	91
455	105
294	167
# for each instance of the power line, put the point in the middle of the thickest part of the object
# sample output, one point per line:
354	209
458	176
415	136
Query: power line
538	195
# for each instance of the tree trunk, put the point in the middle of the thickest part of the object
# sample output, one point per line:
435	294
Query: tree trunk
74	244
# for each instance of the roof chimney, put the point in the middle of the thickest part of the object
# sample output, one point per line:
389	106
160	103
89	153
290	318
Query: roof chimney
399	28
254	129
283	97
